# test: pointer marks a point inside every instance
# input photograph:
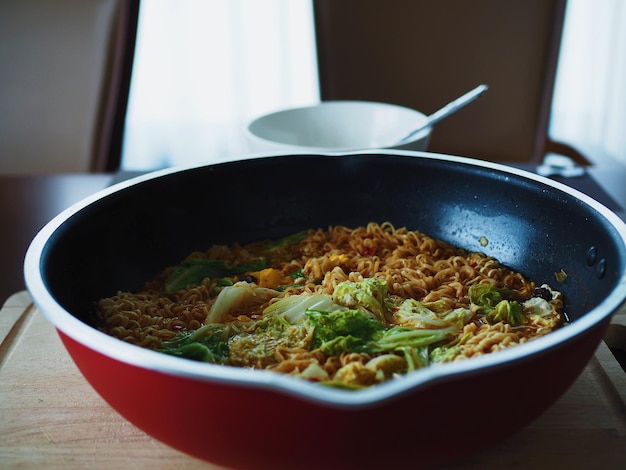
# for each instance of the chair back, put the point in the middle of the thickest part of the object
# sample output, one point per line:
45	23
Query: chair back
425	53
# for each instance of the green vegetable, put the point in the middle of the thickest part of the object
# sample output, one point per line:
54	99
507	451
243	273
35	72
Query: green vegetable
509	311
437	306
497	304
458	316
353	331
444	353
447	352
413	344
414	314
342	344
485	295
223	282
343	331
235	296
294	307
206	344
367	296
196	352
297	274
193	271
398	336
416	358
488	295
419	315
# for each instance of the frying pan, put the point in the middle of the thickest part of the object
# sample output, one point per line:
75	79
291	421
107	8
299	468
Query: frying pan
121	237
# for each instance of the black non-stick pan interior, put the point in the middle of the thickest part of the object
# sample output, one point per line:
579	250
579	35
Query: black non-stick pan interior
129	236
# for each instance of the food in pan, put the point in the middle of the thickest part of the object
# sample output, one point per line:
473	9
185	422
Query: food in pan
348	307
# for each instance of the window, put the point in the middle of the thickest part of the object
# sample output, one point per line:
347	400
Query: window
204	68
589	107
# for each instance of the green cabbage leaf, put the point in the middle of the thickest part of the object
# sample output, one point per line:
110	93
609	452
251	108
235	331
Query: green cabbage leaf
344	331
206	344
497	304
294	307
368	296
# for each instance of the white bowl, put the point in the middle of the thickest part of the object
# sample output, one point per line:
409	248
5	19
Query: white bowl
338	126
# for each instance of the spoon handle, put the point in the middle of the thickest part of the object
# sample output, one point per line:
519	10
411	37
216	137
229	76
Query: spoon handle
448	109
457	104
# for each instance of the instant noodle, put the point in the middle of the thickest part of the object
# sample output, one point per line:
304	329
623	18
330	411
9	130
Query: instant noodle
340	306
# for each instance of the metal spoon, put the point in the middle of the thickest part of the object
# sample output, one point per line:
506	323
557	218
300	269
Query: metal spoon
448	109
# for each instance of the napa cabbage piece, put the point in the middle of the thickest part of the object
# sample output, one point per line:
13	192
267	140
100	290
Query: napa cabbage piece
294	307
344	331
368	296
509	311
540	312
387	366
206	344
537	306
256	343
497	304
415	358
239	295
244	345
416	314
448	352
444	354
353	331
485	295
398	337
458	316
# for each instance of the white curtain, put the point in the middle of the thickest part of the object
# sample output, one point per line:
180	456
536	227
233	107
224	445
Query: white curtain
204	68
589	106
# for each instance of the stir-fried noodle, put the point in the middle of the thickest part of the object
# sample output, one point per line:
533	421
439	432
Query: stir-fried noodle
331	305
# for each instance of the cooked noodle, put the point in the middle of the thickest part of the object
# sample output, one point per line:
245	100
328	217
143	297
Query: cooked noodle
412	264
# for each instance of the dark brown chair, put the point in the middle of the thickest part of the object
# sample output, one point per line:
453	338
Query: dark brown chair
424	53
65	69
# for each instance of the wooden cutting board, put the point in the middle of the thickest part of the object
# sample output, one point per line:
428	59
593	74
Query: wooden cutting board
50	417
